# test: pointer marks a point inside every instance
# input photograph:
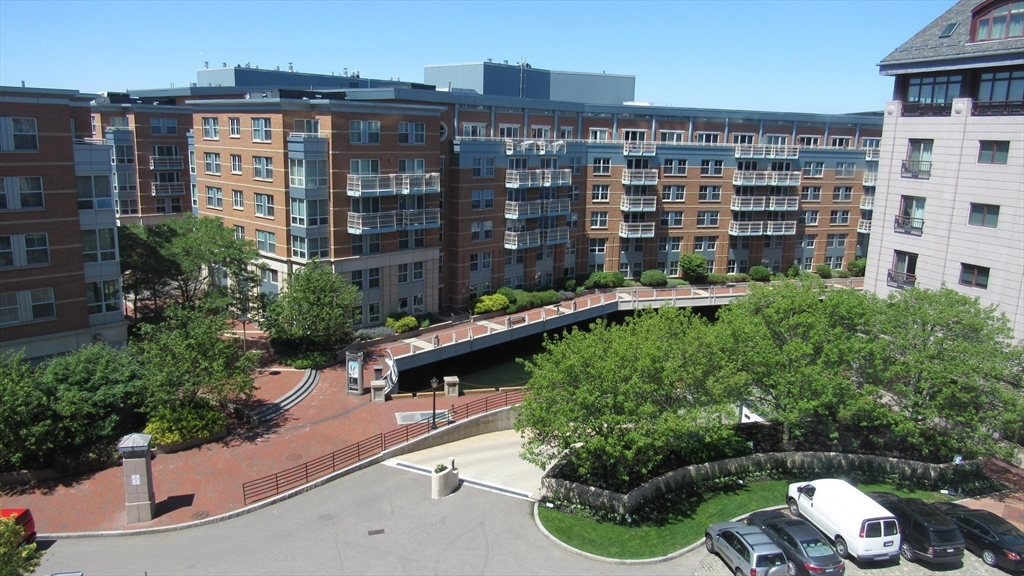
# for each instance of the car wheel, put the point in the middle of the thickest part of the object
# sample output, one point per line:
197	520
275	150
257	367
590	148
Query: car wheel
709	544
841	548
791	569
988	557
794	509
907	552
738	571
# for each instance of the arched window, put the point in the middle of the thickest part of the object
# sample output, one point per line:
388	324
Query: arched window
1003	21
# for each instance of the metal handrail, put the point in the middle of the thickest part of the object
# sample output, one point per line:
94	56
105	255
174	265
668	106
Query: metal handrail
166	162
908	225
897	279
746	228
747	203
916	169
517	210
766	178
864	226
767	151
639	203
645	176
167	188
633	229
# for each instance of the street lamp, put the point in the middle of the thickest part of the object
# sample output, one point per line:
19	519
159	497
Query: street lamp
433	397
244	320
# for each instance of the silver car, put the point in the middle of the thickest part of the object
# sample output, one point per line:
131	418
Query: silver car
746	550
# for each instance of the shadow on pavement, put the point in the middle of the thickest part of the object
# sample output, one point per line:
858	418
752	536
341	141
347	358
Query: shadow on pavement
172	503
47	487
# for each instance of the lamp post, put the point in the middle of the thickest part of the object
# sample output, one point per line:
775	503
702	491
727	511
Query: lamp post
433	398
244	320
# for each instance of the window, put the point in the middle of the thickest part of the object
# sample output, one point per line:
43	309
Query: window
599	134
986	215
1005	21
834	262
993	152
356	279
21	192
871	143
709	218
597	245
214	197
236	163
1001	86
842	193
814	169
27	306
474	130
211	161
673	193
373	278
805	240
775	139
839	217
707	138
672	136
118	122
94	193
481	230
482	199
840	142
740	138
307	173
417	268
364	132
711	167
168	205
191	161
309	248
268	280
710	194
508	131
262	168
835	241
126	207
19	134
973	276
485	260
809	141
574	193
705	243
845	169
237	199
565	132
24	250
235	127
602	166
307	126
483	167
598	219
163	126
810	193
264	205
102	296
808	217
474	262
266	241
412	133
309	212
572	221
933	89
672	218
675	167
124	154
261	130
239	232
918	163
211	129
599	193
194	192
412	166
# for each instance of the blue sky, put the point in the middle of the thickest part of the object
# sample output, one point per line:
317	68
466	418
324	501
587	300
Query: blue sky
805	56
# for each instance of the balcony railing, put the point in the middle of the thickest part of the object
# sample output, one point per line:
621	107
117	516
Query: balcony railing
916	169
746	228
638	204
766	178
783	204
864	226
867	202
870	178
372	223
767	151
632	148
927	109
897	279
305	135
534	146
872	154
369	186
780	228
418	219
520	240
556	207
747	203
168	188
997	108
417	183
537	178
523	210
166	162
908	225
555	235
636	229
641	177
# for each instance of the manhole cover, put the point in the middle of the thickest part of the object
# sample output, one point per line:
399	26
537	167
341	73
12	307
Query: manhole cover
200	515
327	517
293	457
376	532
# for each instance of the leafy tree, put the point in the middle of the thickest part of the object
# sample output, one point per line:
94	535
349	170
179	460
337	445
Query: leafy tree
760	274
857	267
16	560
315	311
144	268
25	416
793	271
693	267
823	270
188	360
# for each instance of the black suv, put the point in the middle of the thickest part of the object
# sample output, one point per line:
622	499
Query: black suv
927	533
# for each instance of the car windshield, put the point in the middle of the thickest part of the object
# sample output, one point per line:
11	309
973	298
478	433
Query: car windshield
769	560
1012	536
946	536
816	548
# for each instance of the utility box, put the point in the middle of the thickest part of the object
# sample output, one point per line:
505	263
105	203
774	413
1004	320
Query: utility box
378	391
140	502
451	386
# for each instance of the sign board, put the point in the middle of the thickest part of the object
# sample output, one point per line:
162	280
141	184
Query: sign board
136	479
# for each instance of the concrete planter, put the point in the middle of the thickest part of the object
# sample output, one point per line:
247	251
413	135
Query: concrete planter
189	444
444	483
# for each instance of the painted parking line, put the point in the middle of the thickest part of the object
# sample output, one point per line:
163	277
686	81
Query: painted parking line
490	487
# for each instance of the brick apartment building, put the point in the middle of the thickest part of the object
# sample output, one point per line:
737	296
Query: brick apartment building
59	264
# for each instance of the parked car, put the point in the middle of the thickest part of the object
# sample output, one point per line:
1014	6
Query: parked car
745	549
858	525
926	533
807	551
998	542
22	517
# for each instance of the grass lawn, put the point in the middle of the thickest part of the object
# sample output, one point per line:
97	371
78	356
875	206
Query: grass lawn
651	541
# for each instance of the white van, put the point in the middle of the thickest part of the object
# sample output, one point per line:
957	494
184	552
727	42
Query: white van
859	526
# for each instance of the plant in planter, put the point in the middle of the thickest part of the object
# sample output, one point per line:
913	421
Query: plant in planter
444	480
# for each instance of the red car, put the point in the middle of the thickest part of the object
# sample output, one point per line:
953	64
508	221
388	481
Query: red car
23	517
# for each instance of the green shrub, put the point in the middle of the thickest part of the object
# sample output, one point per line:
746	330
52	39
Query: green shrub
693	267
400	323
760	274
717	279
653	278
307	359
528	300
857	267
173	425
492	303
793	271
508	293
842	273
424	322
739	278
570	285
604	280
824	270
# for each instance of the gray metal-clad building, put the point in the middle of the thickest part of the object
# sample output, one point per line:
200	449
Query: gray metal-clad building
524	81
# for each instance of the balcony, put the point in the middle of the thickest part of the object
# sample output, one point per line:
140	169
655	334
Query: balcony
867	202
766	178
632	148
870	178
418	219
927	109
642	177
537	178
746	228
783	203
556	207
997	108
523	210
638	204
636	229
872	154
417	183
767	151
166	162
864	226
780	228
372	223
555	235
168	188
897	279
360	186
520	240
908	225
539	147
916	169
747	203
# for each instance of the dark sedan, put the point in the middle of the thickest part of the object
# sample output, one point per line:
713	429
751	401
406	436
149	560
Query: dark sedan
808	552
998	542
